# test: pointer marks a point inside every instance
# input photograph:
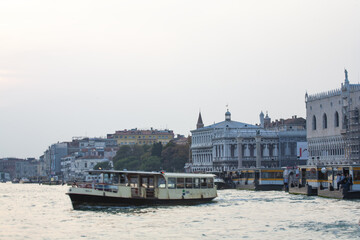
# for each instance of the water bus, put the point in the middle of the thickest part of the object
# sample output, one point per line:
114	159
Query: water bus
259	179
223	180
304	180
131	188
331	187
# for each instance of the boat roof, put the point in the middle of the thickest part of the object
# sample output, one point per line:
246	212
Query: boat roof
143	173
259	169
328	166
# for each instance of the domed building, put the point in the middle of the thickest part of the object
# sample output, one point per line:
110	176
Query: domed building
229	145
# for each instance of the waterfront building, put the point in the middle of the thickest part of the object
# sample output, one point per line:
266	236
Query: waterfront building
84	164
181	140
142	137
19	168
292	139
230	145
74	168
52	158
333	126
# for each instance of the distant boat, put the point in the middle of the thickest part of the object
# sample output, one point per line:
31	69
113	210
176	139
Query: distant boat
143	188
24	180
15	180
259	179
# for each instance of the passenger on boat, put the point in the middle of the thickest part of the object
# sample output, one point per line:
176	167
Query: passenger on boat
343	182
338	179
286	182
349	183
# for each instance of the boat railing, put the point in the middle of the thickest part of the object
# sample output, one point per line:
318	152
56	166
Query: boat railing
97	186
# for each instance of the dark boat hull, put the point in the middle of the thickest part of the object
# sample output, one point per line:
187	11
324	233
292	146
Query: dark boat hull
79	200
303	190
339	194
260	187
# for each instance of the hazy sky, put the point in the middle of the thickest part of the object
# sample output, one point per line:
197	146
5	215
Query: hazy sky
88	68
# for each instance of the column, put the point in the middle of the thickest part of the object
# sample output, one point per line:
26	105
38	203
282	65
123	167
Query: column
240	154
258	151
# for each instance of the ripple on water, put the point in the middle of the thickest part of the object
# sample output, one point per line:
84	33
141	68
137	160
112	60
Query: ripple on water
233	215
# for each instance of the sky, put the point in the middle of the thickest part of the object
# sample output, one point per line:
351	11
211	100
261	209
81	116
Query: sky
75	68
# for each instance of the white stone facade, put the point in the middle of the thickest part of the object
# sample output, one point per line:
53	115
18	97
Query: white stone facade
228	145
332	123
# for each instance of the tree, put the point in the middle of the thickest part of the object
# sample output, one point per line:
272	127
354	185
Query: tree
156	149
174	157
151	163
103	165
129	163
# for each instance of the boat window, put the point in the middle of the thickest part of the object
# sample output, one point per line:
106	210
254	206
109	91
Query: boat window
144	182
356	176
161	182
188	182
311	173
210	182
249	175
180	183
134	182
106	178
122	178
270	175
151	182
171	182
323	176
203	183
115	179
196	182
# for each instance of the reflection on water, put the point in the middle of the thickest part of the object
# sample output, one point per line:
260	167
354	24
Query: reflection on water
45	212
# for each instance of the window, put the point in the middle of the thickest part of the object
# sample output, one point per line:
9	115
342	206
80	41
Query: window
336	119
356	176
188	182
134	182
203	183
210	182
180	183
324	121
171	183
161	182
356	115
314	123
196	182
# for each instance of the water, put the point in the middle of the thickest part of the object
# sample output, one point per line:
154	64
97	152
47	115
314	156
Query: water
30	211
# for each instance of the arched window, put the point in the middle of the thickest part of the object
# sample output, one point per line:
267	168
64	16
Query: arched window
324	121
336	119
314	123
356	115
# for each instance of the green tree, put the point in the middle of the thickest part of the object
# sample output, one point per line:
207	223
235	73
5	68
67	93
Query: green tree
156	149
174	157
103	165
129	163
151	163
